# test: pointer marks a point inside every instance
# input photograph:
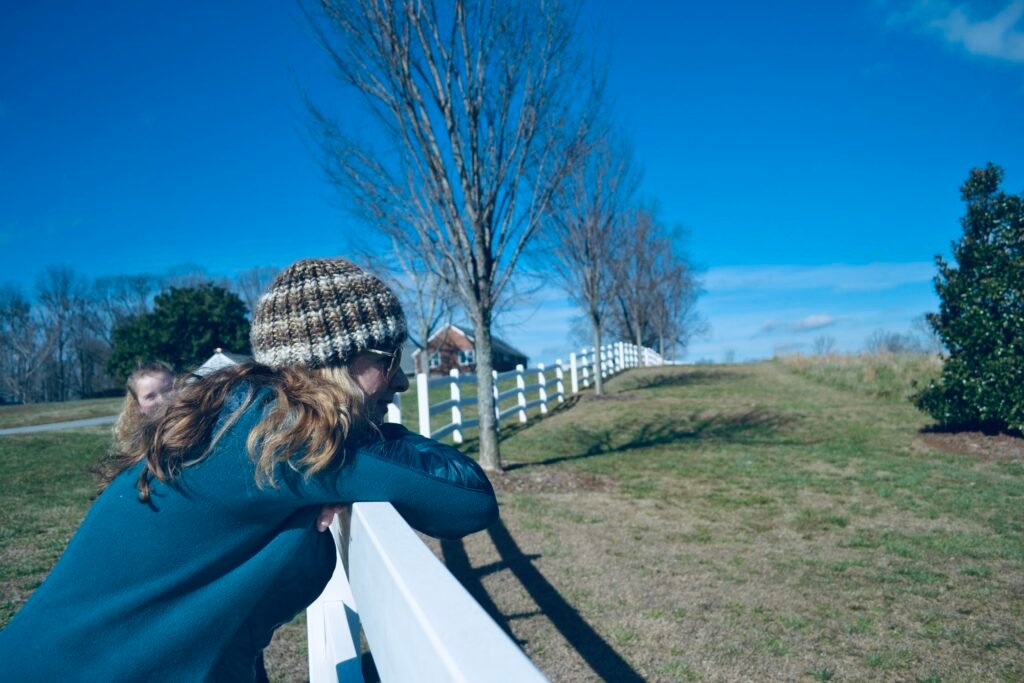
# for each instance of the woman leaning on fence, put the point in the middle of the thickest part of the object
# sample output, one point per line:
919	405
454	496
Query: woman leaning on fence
208	540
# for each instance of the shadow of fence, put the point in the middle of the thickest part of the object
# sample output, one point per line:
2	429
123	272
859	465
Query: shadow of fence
581	636
749	426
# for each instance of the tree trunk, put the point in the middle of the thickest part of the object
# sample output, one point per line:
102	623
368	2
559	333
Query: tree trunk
598	382
423	357
490	456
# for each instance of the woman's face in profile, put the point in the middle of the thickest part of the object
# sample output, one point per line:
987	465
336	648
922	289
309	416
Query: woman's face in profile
153	391
379	386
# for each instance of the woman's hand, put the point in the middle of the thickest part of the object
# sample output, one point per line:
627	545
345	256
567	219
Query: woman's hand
327	513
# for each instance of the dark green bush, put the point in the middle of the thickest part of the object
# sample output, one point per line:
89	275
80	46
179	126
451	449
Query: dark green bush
185	327
981	315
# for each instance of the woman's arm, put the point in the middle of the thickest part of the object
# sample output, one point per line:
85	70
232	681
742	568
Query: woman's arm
436	488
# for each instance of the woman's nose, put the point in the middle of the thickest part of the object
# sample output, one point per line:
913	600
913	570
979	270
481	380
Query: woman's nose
399	382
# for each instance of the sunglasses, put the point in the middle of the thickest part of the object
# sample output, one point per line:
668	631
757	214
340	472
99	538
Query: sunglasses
394	362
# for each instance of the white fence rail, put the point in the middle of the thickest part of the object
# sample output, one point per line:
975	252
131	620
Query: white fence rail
547	386
419	622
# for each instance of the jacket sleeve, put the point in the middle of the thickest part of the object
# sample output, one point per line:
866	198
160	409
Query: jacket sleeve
437	489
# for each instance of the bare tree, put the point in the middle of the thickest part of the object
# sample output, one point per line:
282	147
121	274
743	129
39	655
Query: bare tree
656	288
886	341
185	275
674	320
928	340
59	293
635	269
484	107
116	298
250	284
24	347
586	219
824	345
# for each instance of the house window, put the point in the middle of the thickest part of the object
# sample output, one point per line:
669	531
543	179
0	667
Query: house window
435	360
467	357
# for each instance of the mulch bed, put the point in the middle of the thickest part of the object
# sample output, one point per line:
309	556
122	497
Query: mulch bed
985	446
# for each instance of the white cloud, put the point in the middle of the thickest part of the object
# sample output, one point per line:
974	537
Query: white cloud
808	323
997	36
814	322
834	277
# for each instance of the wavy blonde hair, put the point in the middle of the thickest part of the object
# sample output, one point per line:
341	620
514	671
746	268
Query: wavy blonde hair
313	412
130	418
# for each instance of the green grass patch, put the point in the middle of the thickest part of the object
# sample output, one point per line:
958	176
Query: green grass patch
44	413
45	491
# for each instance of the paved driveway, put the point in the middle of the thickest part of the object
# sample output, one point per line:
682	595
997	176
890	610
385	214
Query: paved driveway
71	424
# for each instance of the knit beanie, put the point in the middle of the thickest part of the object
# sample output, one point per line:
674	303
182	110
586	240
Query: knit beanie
321	312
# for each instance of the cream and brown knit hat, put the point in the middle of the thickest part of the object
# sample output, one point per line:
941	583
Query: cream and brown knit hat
321	312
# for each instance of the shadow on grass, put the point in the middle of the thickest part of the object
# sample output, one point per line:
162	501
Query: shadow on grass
985	428
599	655
750	426
508	430
693	377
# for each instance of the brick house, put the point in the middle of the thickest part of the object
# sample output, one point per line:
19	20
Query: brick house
452	347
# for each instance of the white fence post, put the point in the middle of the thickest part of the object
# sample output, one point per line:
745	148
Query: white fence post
574	379
332	621
560	380
423	401
395	410
497	405
521	392
542	392
588	363
456	394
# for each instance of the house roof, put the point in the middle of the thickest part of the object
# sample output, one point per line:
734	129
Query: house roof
219	360
497	345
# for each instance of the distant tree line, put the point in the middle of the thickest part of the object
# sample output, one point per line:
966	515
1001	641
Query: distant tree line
75	337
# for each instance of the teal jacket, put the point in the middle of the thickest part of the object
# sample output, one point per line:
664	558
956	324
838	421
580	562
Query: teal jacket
190	586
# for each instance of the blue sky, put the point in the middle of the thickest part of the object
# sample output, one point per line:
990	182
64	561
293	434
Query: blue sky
812	151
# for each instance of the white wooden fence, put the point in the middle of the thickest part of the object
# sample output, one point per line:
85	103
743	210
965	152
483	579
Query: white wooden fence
419	622
535	387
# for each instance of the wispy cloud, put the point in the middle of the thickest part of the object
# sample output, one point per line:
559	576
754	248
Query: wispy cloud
809	323
996	35
835	277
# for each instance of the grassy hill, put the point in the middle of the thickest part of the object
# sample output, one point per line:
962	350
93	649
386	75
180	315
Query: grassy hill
699	524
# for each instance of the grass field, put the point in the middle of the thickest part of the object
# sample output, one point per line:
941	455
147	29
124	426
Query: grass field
717	523
892	376
43	413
